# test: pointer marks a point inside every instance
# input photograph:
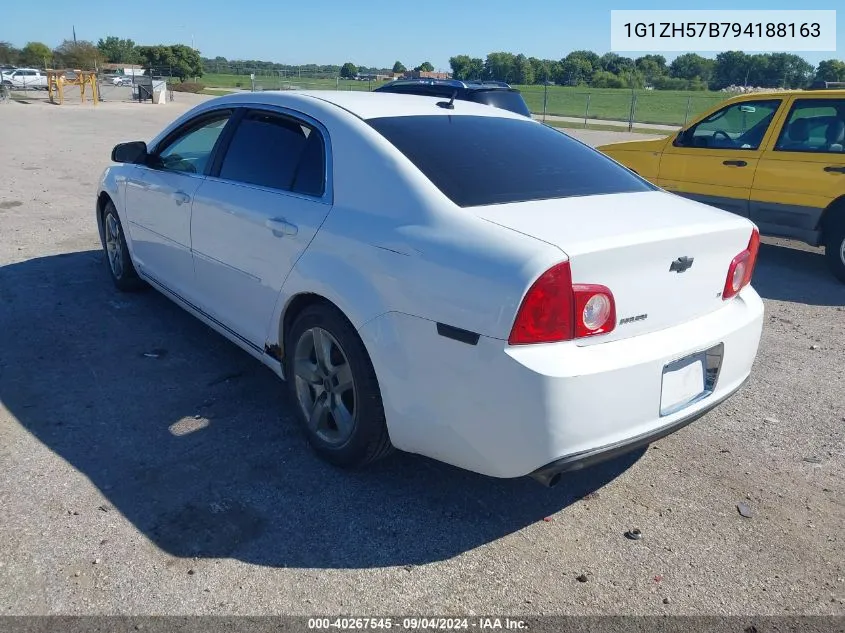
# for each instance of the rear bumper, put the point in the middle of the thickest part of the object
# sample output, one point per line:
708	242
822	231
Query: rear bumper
547	475
513	411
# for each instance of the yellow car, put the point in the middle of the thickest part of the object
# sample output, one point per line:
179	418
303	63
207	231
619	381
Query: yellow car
776	158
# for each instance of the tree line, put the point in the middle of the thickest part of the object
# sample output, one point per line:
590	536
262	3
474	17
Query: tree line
177	60
686	72
582	67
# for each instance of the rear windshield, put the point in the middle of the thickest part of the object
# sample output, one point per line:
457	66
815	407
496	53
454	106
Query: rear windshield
505	99
477	161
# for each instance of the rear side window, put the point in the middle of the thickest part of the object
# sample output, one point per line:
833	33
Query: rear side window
814	125
310	176
268	150
478	161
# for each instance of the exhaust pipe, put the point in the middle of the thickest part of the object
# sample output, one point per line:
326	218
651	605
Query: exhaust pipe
549	479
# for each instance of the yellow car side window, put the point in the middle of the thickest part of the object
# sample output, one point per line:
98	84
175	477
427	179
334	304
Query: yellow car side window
814	125
737	126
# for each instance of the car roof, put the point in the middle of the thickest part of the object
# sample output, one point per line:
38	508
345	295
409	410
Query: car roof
470	84
830	92
368	105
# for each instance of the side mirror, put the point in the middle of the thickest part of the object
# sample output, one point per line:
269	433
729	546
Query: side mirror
133	153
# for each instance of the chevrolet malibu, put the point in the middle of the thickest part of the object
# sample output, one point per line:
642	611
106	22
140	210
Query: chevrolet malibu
441	277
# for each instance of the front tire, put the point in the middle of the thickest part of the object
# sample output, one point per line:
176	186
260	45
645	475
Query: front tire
834	247
117	258
334	389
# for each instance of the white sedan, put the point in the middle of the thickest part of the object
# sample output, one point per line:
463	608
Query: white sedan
449	279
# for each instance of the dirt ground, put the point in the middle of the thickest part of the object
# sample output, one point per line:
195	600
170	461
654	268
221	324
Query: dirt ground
150	467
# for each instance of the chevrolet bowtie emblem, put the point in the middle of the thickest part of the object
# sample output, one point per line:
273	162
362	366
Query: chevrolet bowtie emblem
681	264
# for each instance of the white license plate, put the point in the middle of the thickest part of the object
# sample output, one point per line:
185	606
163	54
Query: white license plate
683	382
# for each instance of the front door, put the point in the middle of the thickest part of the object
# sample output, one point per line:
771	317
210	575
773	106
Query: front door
159	197
713	161
255	215
803	171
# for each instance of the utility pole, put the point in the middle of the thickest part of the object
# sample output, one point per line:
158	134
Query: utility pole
545	94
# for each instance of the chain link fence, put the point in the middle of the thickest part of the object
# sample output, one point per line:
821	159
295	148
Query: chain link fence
571	106
28	84
640	108
110	87
582	105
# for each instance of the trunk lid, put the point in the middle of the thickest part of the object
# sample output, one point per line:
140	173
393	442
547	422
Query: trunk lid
628	242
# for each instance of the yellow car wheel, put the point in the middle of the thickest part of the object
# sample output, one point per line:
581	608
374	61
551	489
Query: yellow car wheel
835	246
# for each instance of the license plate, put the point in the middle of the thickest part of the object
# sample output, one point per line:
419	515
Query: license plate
683	382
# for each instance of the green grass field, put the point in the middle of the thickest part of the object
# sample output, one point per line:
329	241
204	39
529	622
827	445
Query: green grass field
274	82
661	107
567	125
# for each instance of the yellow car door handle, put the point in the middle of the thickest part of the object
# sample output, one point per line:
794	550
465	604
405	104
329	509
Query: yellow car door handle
835	169
734	163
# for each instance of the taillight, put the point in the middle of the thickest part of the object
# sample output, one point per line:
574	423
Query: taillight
554	309
742	267
595	310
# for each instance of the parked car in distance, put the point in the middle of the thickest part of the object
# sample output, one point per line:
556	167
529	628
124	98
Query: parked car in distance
25	79
122	80
777	158
493	93
466	284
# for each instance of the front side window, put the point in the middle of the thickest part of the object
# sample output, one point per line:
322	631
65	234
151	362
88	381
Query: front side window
190	151
480	160
814	125
737	126
275	151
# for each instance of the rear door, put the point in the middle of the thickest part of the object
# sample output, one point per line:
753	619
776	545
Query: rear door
713	161
803	169
268	193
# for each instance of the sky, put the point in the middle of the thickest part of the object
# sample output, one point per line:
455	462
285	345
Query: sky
369	33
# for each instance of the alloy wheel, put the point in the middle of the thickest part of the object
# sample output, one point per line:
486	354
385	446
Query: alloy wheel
325	387
114	248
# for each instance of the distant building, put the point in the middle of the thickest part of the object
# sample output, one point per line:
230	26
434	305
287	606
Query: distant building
424	74
129	70
375	76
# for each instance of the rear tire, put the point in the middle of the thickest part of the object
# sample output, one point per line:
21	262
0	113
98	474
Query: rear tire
834	247
333	386
117	259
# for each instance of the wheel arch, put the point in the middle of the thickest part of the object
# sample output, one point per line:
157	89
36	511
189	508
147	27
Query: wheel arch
832	212
102	200
294	306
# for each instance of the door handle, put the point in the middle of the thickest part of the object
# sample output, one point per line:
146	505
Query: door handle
835	169
180	197
281	227
734	163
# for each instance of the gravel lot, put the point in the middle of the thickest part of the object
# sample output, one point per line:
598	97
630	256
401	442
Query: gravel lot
176	483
